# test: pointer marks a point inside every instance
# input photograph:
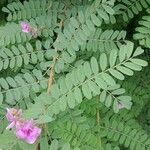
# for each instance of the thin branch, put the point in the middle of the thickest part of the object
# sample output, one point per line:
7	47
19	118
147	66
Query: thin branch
98	117
51	75
98	124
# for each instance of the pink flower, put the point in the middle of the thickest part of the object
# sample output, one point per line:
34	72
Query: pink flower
25	130
25	27
12	116
28	132
120	105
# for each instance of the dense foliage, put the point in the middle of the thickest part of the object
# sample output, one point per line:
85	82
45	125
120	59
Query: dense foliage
79	69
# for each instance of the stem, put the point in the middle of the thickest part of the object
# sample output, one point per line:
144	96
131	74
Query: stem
50	81
98	117
37	146
51	76
98	124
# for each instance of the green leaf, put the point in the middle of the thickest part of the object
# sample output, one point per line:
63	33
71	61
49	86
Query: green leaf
25	91
115	106
19	61
71	100
9	98
4	142
87	69
54	145
80	74
108	9
4	84
1	98
82	35
103	96
25	146
90	25
96	20
55	92
26	58
29	78
108	101
101	83
97	3
108	79
74	45
103	61
116	74
126	101
139	62
103	14
81	16
4	9
86	30
118	91
63	103
113	57
74	22
44	143
78	95
138	51
129	48
94	65
44	119
6	64
17	94
74	78
34	58
38	45
125	70
29	47
94	88
62	85
122	54
1	65
66	146
68	81
86	91
11	82
133	66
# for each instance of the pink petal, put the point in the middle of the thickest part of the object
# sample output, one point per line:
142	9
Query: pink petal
26	30
30	139
27	131
9	114
11	125
36	132
10	117
25	27
19	125
13	114
21	134
28	124
20	112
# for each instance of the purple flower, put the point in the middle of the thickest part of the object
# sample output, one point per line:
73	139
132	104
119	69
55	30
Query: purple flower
25	130
28	132
12	116
25	27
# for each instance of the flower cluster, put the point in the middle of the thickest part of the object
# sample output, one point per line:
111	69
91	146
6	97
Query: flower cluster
25	27
24	129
